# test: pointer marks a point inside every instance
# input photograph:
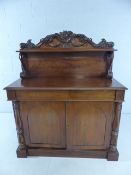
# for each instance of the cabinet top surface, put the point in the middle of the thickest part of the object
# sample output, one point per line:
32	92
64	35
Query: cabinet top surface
65	84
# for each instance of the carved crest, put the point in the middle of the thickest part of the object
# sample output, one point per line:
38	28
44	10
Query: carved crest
67	39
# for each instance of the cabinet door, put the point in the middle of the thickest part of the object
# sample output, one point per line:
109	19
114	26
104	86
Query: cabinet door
44	123
89	124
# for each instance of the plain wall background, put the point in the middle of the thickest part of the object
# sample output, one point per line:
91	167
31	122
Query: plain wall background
22	20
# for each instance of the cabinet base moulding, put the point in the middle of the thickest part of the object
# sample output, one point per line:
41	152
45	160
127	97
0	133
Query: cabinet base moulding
102	154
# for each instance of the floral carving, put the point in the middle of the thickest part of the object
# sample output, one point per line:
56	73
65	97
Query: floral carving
67	39
29	44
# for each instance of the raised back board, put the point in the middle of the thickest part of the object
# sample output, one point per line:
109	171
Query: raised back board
66	55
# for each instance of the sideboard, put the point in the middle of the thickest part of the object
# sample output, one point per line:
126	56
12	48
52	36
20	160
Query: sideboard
66	102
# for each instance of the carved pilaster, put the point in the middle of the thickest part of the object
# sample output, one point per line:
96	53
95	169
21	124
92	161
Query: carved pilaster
113	153
21	150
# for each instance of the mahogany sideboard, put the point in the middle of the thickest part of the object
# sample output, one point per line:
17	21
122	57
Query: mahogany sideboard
66	102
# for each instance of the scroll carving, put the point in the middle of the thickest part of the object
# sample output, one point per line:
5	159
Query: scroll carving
67	39
29	44
109	59
115	127
21	150
23	59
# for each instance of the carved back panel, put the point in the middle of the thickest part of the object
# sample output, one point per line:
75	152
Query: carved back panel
66	54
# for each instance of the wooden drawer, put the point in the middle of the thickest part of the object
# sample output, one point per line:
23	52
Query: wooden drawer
99	95
91	95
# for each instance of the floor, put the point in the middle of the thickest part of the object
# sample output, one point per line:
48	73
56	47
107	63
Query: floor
11	165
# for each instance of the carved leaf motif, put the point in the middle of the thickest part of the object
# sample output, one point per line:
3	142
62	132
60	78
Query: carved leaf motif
67	39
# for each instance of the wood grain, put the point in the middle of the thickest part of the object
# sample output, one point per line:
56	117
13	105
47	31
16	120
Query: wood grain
67	65
65	84
65	95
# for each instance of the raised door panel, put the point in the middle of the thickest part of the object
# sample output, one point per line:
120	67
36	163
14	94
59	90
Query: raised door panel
44	123
88	124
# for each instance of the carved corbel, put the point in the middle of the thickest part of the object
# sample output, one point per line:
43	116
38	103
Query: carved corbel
21	150
23	58
109	59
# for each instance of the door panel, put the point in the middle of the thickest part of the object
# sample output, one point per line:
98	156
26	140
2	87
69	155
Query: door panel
44	123
88	124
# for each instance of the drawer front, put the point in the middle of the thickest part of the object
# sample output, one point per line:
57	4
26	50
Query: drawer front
92	95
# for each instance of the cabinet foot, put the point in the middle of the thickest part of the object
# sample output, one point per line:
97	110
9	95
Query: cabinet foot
21	153
113	155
